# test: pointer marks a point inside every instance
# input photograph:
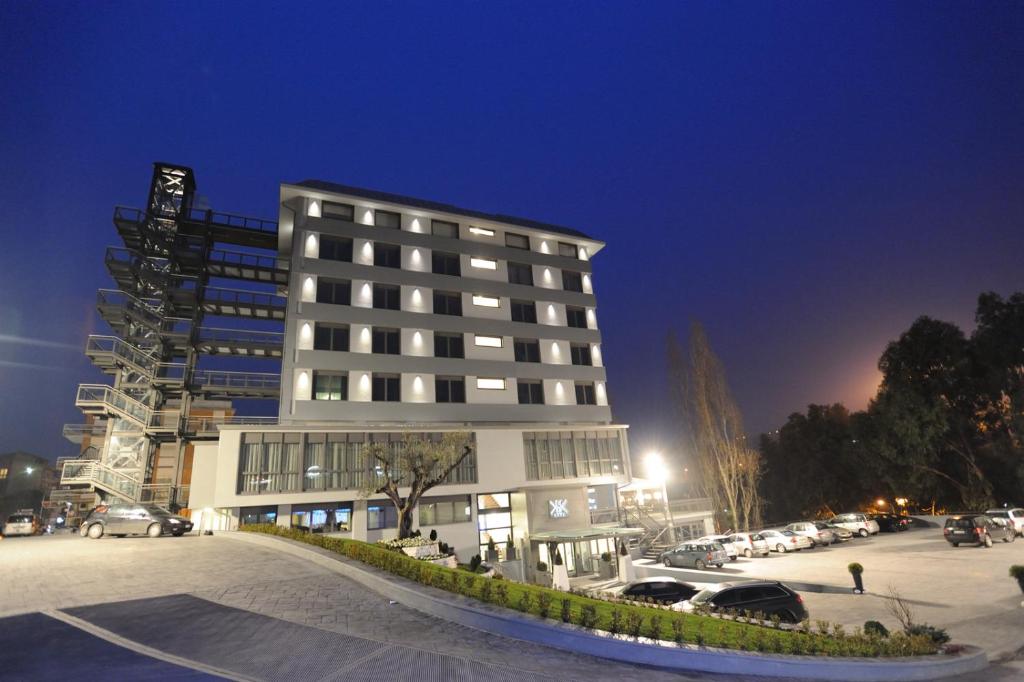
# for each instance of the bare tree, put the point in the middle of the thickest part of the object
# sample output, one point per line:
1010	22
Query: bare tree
417	464
713	429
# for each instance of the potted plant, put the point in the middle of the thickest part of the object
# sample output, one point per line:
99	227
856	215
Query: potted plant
626	571
560	574
541	576
605	568
856	570
1017	573
492	551
510	549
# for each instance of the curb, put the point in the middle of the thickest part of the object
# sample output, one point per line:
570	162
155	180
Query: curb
515	625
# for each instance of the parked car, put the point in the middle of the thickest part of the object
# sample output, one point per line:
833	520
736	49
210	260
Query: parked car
120	520
977	529
890	523
769	597
750	544
697	555
21	523
662	590
857	523
841	534
725	542
1015	516
817	535
783	541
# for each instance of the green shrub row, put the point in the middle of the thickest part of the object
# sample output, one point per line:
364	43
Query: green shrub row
617	617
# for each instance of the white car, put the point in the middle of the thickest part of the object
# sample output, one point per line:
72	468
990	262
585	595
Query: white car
1014	516
20	524
726	543
857	523
783	541
750	544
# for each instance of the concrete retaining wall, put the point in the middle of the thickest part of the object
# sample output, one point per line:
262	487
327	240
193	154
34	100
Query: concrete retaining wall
508	623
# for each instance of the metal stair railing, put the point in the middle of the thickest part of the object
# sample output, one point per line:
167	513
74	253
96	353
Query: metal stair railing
96	474
236	381
112	401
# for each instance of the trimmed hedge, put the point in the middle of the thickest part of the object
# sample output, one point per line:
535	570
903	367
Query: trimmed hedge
617	618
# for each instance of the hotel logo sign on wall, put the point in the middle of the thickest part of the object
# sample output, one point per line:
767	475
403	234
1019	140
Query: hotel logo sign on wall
558	509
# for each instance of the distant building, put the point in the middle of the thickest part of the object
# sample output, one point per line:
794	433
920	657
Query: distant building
25	480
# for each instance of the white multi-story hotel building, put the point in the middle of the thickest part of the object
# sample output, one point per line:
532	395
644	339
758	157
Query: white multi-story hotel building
408	315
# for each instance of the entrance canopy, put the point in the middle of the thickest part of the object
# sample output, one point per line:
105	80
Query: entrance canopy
585	534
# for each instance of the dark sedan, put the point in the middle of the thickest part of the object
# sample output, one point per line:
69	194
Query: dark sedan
120	520
768	597
661	590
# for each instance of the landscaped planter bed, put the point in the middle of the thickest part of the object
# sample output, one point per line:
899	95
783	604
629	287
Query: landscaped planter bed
633	620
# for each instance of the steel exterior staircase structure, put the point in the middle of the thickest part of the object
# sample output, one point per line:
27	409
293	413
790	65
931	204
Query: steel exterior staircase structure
171	250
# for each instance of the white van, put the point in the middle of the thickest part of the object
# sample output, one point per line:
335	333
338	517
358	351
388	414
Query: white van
21	523
856	523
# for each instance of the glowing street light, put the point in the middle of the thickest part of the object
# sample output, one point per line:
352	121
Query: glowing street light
656	470
880	502
29	470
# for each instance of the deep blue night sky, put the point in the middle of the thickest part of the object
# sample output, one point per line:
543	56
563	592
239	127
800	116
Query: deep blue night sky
805	178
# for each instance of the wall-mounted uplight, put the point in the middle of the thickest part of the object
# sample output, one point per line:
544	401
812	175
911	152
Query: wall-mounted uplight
482	231
490	384
313	209
364	382
583	253
486	301
311	249
590	315
586	282
417	384
488	341
308	287
305	332
483	263
417	298
551	311
303	380
417	339
544	247
414	226
368	217
366	291
364	336
367	250
547	275
554	349
559	391
416	258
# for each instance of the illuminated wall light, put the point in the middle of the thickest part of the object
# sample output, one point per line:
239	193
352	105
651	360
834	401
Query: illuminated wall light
368	250
555	352
483	263
583	254
366	292
364	335
306	331
416	257
482	231
559	391
311	250
303	380
490	384
414	226
486	301
488	341
595	352
600	389
590	314
417	339
547	275
364	382
368	217
417	298
308	287
417	384
586	281
551	311
313	210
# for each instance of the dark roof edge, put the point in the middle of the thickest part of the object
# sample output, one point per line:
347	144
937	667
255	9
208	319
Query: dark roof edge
438	206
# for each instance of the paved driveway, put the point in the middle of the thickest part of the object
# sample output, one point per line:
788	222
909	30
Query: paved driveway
966	589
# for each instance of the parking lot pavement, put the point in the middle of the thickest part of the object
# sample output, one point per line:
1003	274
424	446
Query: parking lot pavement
966	590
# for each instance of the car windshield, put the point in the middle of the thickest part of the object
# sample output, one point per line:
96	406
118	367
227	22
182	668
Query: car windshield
703	596
959	523
999	515
19	518
157	511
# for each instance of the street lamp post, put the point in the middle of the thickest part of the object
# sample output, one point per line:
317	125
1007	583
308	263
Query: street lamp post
655	468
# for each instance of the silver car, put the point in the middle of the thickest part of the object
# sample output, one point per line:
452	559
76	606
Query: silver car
697	555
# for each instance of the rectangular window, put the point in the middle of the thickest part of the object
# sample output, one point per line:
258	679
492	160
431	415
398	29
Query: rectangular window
520	273
335	248
585	394
330	337
332	209
568	250
517	241
448	345
572	281
387	297
531	392
322	517
580	354
482	231
576	317
387	255
387	219
250	515
445	263
437	511
336	291
527	350
450	389
483	263
486	301
386	341
488	384
447	303
524	311
487	341
330	386
572	454
443	228
387	388
381	516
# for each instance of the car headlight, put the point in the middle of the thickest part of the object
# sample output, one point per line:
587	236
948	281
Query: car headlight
174	520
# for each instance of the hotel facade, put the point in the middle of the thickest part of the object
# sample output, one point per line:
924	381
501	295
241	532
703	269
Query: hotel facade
411	316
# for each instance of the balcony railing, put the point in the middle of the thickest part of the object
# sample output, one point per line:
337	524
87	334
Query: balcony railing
241	259
240	381
208	425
